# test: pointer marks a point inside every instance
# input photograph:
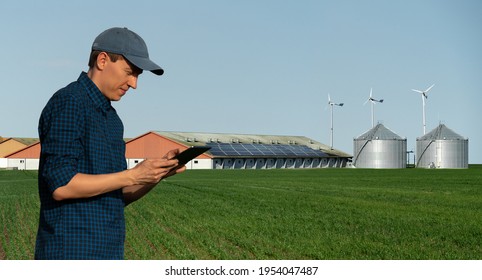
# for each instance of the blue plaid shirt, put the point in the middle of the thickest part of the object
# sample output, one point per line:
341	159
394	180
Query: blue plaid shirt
80	132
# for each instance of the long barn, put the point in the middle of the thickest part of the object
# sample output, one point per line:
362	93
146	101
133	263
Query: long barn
238	151
228	151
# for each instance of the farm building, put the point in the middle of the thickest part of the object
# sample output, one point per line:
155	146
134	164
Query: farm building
238	151
228	151
10	145
26	158
442	148
380	147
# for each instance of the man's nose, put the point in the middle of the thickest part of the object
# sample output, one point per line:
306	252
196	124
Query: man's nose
132	82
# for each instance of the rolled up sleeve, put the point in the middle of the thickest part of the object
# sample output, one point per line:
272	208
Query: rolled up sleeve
61	141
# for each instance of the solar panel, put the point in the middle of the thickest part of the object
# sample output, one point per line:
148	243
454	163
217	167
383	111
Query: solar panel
263	150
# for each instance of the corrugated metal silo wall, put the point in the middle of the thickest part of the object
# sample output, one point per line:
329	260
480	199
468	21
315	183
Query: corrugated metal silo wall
443	153
380	153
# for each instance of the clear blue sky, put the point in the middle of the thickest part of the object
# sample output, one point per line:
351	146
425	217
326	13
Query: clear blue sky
259	67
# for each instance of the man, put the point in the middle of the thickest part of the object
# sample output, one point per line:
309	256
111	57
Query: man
83	182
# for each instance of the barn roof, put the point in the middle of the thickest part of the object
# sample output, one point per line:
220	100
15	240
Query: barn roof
25	141
202	138
27	148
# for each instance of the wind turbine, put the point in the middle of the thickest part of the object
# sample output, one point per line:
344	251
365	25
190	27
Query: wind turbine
373	101
424	96
331	104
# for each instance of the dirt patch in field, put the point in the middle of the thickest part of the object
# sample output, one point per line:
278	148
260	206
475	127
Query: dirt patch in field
2	253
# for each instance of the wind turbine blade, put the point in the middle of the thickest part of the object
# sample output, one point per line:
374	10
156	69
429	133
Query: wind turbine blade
429	88
366	102
371	92
419	91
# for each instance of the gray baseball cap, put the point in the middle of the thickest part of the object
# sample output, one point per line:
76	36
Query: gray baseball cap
128	44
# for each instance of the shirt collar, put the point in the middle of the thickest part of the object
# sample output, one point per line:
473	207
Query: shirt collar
94	93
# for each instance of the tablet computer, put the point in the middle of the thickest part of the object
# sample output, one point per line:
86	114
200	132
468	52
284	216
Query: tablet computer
192	152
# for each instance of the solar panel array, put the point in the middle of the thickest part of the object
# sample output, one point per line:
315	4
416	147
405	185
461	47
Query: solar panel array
263	150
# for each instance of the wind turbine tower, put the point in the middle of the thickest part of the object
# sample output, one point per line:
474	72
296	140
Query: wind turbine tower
331	104
423	93
373	101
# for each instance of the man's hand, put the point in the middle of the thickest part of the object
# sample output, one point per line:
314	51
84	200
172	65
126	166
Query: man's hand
149	172
179	168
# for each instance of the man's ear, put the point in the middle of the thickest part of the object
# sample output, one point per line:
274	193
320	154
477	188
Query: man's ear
102	60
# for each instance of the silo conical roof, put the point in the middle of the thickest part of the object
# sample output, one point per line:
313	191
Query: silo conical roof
441	132
379	132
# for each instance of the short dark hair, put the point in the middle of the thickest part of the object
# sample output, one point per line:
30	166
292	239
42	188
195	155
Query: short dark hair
114	57
94	54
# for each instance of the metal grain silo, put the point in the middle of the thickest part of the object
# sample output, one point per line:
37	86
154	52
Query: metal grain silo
380	148
442	148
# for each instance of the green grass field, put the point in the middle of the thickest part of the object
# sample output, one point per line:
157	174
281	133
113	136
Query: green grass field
283	214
